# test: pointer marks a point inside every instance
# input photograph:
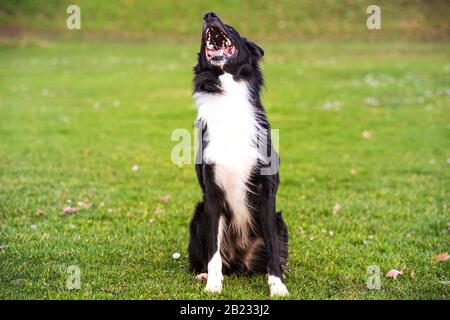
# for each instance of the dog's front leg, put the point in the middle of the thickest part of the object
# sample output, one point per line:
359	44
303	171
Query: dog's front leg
208	82
215	277
268	222
213	199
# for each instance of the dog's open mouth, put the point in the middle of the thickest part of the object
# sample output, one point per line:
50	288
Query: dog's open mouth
218	46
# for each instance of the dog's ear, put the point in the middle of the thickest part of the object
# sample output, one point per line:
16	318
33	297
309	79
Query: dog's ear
256	50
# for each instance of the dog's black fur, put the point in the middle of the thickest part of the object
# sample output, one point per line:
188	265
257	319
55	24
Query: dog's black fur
271	257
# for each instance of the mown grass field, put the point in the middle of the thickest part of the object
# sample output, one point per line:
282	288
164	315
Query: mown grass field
286	19
362	125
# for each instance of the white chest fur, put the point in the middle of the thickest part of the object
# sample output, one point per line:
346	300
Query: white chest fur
232	132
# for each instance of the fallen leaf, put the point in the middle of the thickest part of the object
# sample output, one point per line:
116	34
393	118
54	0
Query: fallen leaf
111	290
366	134
158	211
393	273
68	210
165	198
84	205
3	246
337	207
441	257
86	152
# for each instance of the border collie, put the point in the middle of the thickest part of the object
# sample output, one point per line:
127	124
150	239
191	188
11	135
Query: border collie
236	227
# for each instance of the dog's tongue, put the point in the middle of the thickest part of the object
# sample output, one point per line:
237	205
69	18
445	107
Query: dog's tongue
219	52
223	52
215	53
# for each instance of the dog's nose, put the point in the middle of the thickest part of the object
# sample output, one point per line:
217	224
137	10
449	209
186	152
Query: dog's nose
210	16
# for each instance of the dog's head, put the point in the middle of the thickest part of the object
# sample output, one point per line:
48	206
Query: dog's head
222	47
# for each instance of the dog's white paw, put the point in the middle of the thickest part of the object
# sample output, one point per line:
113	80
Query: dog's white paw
279	291
213	285
201	277
277	287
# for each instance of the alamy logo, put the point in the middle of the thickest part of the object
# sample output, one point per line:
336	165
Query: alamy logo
374	20
73	21
73	278
182	152
373	277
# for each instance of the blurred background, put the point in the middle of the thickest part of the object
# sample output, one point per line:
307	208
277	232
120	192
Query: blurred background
86	118
277	20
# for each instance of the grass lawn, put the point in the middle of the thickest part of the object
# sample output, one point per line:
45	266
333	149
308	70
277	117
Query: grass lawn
364	132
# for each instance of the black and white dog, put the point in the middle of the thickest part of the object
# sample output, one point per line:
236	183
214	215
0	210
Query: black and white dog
236	228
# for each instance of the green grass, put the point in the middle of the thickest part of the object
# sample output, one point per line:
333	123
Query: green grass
275	19
58	101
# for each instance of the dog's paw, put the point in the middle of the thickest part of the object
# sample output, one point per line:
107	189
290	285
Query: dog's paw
279	291
277	287
207	82
213	286
201	277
